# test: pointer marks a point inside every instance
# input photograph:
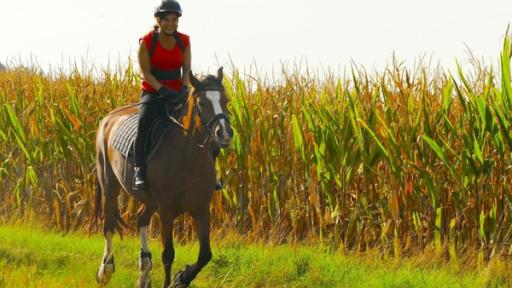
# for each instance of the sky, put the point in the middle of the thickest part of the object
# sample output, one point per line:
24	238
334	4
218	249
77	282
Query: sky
258	35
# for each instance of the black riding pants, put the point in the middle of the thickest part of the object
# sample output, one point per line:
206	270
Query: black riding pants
150	108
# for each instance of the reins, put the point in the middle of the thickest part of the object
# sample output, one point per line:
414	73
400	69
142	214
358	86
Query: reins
179	103
135	105
195	111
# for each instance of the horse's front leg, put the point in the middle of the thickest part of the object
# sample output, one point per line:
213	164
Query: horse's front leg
145	264
184	277
107	267
166	227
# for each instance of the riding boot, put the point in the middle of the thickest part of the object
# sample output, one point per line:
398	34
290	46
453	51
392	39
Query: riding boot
139	175
139	179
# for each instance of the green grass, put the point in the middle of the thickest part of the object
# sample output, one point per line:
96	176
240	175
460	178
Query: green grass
32	257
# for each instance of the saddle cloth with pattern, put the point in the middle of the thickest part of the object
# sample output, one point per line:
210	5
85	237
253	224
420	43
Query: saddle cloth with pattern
123	137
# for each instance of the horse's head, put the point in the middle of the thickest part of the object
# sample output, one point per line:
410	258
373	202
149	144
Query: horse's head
212	105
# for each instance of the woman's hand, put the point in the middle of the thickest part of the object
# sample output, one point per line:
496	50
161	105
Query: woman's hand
173	96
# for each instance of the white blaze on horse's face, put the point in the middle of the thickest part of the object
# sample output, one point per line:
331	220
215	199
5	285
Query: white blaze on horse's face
221	131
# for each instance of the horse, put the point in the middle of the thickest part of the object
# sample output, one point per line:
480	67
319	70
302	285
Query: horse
180	177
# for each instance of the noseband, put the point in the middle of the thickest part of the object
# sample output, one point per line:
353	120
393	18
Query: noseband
209	124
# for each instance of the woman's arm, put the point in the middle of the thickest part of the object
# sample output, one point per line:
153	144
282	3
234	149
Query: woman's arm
187	65
145	67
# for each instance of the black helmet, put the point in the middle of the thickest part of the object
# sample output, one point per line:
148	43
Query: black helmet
168	6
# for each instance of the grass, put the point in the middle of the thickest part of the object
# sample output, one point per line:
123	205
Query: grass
32	257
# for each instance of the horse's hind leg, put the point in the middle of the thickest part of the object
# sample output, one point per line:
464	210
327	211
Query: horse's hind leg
145	264
110	187
184	277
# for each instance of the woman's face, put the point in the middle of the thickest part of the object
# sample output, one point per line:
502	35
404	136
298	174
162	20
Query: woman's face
169	23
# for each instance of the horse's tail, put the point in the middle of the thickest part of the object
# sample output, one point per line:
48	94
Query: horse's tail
97	207
98	213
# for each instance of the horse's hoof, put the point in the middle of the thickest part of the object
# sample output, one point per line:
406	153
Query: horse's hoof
180	285
145	267
143	283
104	274
179	282
105	271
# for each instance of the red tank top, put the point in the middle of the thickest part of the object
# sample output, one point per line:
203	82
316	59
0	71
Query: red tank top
165	59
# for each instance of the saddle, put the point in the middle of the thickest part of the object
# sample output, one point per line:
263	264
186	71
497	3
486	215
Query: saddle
123	137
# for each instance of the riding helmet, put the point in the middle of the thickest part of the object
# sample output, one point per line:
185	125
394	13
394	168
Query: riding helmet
168	6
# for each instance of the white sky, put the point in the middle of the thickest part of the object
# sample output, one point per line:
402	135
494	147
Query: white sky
326	33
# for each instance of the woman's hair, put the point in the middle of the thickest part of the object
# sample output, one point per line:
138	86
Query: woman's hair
165	13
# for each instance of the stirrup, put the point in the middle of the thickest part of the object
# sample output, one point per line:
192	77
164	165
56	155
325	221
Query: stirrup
139	182
219	185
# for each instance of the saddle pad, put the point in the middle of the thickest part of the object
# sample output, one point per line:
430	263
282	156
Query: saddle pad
124	136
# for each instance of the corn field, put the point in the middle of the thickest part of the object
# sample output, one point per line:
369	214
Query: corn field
402	159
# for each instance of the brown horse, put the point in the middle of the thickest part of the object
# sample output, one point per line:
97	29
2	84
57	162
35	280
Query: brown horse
180	177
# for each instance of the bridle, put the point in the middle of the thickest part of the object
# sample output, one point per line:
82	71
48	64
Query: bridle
208	125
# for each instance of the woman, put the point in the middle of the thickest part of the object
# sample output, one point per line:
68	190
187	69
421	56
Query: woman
165	60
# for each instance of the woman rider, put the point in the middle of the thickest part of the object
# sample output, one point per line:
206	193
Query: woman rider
165	62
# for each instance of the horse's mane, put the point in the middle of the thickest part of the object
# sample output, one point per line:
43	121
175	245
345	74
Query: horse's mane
209	80
187	119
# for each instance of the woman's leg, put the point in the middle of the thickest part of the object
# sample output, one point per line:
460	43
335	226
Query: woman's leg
145	119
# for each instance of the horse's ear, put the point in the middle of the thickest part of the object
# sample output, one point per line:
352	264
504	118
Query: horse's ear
193	80
220	73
